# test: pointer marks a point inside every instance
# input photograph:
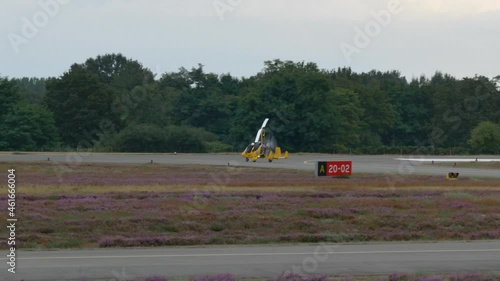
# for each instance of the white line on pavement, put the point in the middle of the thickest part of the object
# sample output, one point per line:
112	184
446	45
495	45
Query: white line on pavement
258	254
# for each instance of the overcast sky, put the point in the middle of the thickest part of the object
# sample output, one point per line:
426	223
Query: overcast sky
460	37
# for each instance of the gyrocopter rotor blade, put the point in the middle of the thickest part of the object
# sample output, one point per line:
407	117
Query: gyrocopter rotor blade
264	124
257	137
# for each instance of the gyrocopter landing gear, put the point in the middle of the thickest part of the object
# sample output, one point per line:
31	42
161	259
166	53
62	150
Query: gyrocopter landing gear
246	159
270	157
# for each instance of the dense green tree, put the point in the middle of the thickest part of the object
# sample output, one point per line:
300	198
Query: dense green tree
9	95
151	138
133	89
28	128
24	126
377	93
442	91
32	90
187	139
485	138
297	98
200	99
81	105
122	73
99	96
141	138
379	116
347	104
114	103
414	106
459	106
143	105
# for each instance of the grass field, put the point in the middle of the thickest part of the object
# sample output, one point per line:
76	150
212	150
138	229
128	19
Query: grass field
99	205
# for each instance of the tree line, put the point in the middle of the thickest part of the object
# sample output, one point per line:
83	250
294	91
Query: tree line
113	103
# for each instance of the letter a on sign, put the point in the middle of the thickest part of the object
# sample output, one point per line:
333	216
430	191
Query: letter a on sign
321	169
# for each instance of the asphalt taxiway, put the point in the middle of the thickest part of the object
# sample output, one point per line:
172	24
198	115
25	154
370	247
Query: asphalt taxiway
384	165
257	261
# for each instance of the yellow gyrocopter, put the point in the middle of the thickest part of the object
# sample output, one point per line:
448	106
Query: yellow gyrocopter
264	146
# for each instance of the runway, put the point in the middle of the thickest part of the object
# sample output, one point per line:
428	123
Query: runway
258	261
385	165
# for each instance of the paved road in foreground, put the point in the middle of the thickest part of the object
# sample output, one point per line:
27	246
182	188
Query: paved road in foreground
258	261
382	165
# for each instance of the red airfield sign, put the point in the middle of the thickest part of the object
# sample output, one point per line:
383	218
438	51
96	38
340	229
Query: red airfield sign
334	169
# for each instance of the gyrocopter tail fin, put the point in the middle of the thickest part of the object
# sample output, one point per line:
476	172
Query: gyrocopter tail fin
270	157
277	153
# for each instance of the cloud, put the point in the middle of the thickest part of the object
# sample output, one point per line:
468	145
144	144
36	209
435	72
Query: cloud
456	36
457	7
359	10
